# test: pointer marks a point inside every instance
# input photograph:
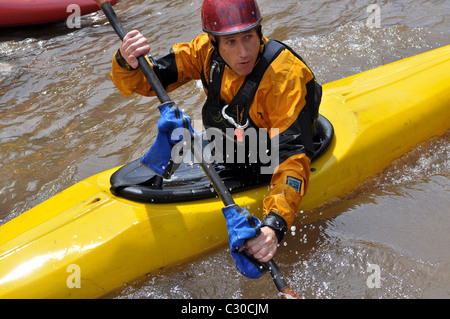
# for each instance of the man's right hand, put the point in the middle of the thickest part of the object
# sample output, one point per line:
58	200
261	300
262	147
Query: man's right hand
134	45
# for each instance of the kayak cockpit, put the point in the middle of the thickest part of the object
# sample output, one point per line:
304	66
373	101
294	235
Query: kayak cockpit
136	182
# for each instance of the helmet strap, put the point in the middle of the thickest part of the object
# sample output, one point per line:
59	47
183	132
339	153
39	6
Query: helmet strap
259	31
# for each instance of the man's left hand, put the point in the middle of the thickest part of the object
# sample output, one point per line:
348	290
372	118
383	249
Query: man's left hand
264	246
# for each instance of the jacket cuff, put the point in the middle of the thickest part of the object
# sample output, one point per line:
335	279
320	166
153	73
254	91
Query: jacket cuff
277	223
122	62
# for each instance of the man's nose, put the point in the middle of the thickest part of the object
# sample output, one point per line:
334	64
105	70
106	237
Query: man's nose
242	49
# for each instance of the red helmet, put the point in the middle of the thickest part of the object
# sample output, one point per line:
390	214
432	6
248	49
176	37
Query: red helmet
225	17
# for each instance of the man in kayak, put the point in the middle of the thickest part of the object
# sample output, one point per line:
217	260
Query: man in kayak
250	82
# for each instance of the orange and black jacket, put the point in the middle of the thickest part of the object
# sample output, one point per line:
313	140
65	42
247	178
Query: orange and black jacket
285	103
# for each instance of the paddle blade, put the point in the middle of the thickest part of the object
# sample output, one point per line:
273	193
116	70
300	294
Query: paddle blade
278	279
101	2
287	293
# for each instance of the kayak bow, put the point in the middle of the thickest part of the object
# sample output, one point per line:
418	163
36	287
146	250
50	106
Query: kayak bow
19	13
85	241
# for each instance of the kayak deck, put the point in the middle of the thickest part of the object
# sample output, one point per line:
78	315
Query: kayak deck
377	116
136	182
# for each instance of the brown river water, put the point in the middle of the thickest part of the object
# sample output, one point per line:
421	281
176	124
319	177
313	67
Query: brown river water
62	120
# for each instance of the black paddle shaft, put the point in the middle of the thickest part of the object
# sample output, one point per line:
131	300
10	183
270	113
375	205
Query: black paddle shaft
143	63
161	93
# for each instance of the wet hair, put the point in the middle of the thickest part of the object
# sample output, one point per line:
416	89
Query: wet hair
258	31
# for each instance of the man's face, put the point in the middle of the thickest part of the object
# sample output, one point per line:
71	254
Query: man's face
240	51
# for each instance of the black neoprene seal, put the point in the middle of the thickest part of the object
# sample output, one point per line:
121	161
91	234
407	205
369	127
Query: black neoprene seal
277	223
122	62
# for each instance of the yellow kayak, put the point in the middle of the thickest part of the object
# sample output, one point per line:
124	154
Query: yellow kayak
85	241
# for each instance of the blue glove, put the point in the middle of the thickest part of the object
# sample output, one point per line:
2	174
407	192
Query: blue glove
241	226
158	157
